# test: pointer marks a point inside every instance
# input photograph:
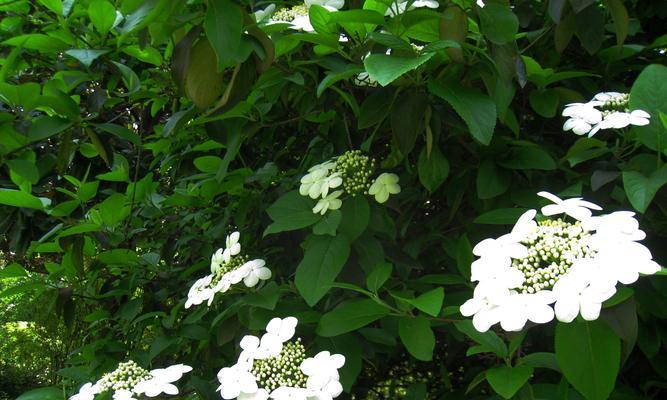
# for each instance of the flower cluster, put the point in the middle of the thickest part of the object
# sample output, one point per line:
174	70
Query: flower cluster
228	267
296	16
607	110
572	263
275	366
351	174
129	380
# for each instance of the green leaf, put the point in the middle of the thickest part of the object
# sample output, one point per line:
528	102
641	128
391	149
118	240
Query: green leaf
407	119
103	15
130	78
648	94
146	54
203	84
506	381
45	393
37	41
417	336
208	164
356	214
528	157
113	209
544	102
224	26
590	28
641	189
13	270
328	224
54	5
44	127
541	360
385	69
25	169
291	212
488	340
454	27
321	20
432	170
350	316
430	302
589	354
86	56
17	198
464	255
499	24
491	180
475	108
378	276
120	170
322	262
621	20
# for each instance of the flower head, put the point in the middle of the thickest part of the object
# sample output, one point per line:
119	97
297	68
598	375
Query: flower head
607	110
383	186
276	367
330	202
573	265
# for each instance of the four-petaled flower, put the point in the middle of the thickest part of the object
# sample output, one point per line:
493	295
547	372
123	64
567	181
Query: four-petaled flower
330	202
384	185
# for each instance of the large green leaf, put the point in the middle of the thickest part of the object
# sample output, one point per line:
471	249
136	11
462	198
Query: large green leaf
290	212
477	109
17	198
386	69
45	393
488	340
86	56
491	180
356	214
350	316
417	336
45	127
589	355
102	14
528	157
322	262
506	380
224	26
499	23
407	119
433	169
648	94
641	189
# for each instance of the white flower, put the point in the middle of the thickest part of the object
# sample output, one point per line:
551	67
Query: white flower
302	23
619	119
579	291
217	260
123	394
257	272
235	380
260	394
232	246
400	6
87	392
265	14
576	207
480	3
162	381
582	117
573	265
318	182
328	4
322	372
290	393
330	202
200	292
383	186
522	307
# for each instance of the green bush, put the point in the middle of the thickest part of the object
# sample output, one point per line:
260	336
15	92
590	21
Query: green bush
367	152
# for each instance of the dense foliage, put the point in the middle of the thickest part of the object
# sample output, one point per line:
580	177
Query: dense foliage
135	135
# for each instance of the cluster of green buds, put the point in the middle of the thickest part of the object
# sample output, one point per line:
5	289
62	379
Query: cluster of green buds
125	376
617	103
234	263
552	249
283	369
356	170
289	14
